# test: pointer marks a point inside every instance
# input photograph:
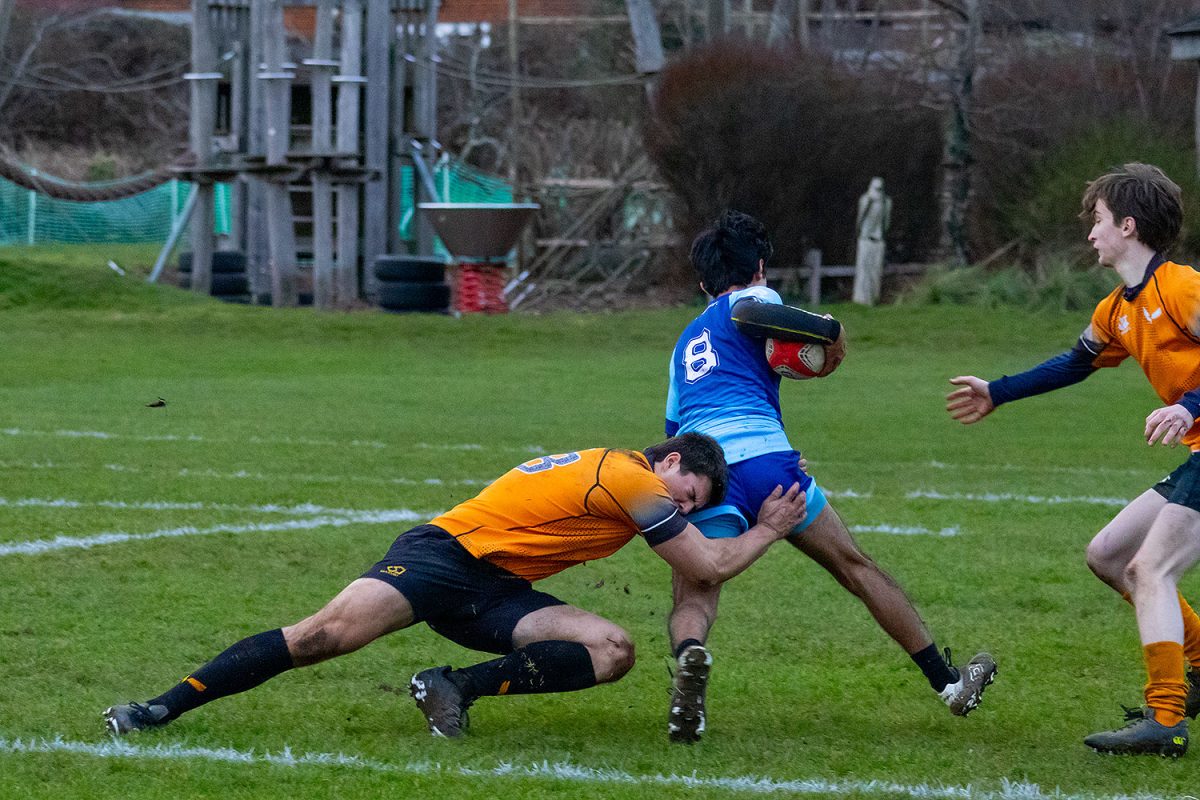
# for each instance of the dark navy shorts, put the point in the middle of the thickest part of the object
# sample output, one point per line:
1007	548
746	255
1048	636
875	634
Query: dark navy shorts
465	599
750	482
1182	486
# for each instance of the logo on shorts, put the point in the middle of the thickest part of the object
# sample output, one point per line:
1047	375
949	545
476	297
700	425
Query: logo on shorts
395	570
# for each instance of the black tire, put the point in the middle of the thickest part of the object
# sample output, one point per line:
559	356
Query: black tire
407	296
410	269
223	261
223	284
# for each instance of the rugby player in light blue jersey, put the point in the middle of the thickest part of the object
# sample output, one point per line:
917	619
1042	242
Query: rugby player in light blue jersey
722	386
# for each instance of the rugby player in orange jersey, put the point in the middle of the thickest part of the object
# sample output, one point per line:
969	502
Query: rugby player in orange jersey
1154	316
468	573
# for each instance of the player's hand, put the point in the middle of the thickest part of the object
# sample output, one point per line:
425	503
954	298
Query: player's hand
970	402
1168	425
803	463
782	511
834	353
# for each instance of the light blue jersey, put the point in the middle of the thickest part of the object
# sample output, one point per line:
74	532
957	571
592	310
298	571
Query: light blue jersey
721	385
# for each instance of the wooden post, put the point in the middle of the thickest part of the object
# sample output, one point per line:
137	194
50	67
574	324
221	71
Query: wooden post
425	122
237	130
514	92
647	37
348	83
280	226
378	95
398	147
257	246
322	66
718	18
812	260
203	90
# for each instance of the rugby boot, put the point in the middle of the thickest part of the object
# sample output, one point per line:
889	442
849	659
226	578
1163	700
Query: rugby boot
441	701
685	721
964	696
131	717
1191	706
1141	735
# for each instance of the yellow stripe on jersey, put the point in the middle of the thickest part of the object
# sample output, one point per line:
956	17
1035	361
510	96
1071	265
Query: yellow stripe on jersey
554	512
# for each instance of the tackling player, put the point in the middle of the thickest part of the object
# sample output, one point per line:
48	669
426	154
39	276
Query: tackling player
721	385
468	574
1154	316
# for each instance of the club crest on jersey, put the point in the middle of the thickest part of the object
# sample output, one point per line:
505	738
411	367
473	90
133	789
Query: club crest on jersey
1123	324
1151	317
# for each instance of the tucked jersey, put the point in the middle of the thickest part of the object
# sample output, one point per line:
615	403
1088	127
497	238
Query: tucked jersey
557	511
1158	327
721	384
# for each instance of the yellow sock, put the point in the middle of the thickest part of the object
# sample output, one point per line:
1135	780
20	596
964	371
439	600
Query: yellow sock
1191	633
1165	689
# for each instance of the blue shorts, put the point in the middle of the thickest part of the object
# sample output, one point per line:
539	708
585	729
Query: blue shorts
468	600
750	482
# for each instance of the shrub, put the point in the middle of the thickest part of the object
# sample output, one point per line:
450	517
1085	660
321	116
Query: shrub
794	139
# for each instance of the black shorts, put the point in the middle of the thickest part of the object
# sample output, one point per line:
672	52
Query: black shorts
1182	486
467	600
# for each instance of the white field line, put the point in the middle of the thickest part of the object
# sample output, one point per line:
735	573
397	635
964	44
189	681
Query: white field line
906	530
558	771
305	509
284	440
1007	497
39	546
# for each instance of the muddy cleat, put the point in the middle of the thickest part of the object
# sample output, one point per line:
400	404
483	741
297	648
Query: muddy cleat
973	677
685	722
131	717
441	701
1191	706
1141	735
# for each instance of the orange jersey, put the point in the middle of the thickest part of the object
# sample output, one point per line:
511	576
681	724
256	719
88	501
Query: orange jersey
1159	327
557	511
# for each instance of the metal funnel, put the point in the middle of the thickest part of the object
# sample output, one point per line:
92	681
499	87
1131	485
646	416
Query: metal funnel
479	230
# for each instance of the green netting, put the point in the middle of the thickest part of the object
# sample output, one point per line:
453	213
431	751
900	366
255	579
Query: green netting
456	183
28	217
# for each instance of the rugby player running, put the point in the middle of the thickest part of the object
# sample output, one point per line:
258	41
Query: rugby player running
1136	213
721	385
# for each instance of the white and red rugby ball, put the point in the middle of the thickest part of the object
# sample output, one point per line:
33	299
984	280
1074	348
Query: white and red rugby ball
795	360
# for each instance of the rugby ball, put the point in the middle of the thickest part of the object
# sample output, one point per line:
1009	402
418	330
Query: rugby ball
795	360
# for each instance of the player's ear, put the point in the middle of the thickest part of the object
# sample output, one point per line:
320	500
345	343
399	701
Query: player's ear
1129	227
762	265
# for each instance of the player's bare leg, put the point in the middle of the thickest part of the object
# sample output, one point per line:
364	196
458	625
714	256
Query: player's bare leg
1108	556
693	615
558	648
828	542
361	613
1111	550
1169	550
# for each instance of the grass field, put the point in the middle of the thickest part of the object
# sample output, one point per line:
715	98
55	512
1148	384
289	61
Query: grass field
137	542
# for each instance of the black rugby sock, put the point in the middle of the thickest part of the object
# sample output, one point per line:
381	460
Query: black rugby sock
243	666
553	666
939	673
685	644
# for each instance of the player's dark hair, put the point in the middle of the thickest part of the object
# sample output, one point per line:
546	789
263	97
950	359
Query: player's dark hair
727	253
1144	192
699	455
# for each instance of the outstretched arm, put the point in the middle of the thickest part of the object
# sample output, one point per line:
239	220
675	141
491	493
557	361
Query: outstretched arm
977	398
970	403
708	562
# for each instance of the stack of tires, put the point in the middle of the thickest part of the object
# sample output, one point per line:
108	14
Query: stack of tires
412	283
229	281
